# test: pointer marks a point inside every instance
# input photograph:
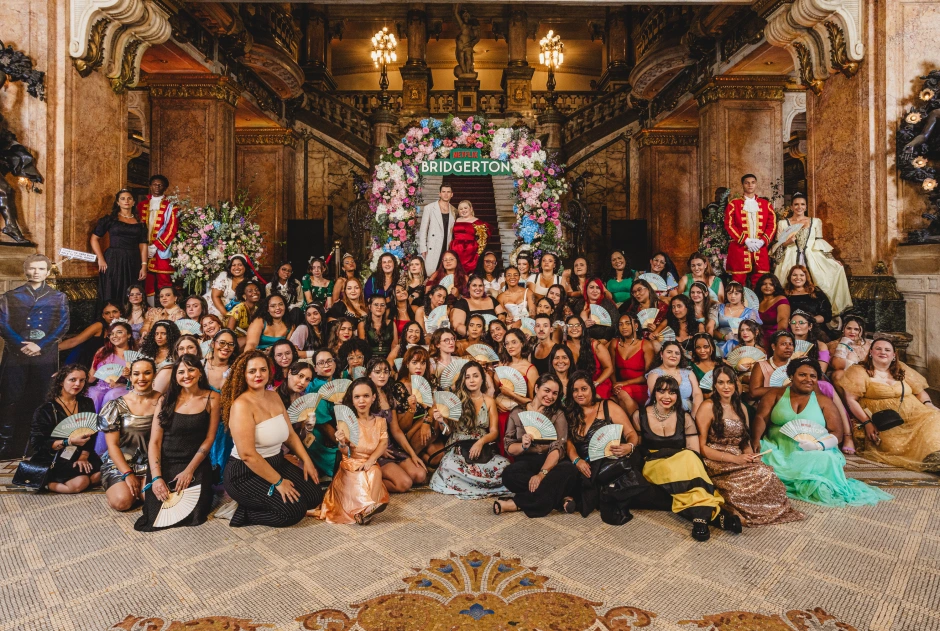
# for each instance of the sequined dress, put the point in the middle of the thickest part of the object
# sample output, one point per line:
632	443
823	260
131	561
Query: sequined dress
134	434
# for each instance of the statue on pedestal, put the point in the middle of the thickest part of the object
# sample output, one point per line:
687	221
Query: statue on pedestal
468	38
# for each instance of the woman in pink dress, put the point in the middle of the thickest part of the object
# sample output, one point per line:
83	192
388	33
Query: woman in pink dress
470	236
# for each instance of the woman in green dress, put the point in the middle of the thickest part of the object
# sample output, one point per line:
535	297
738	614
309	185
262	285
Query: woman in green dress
811	470
316	288
619	280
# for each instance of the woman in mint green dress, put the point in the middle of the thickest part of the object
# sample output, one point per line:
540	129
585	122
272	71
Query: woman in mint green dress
811	470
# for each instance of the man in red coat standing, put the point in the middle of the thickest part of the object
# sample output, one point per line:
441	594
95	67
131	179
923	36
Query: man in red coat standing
751	223
159	214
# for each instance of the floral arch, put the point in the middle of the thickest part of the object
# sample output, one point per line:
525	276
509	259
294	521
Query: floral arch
539	183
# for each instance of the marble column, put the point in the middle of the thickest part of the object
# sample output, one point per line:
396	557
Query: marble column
618	50
193	134
416	80
668	189
517	76
740	131
265	167
315	50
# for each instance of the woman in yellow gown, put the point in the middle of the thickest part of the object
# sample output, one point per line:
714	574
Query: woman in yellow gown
877	384
357	493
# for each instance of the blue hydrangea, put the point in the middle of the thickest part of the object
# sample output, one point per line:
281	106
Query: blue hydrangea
424	122
437	142
528	229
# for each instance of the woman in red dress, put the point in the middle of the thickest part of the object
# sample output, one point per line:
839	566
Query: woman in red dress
470	236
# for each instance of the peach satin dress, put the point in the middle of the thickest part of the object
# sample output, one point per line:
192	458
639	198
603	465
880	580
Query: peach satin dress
353	492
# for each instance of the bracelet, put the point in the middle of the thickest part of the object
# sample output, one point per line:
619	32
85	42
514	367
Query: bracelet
124	476
576	461
274	486
65	442
864	423
150	484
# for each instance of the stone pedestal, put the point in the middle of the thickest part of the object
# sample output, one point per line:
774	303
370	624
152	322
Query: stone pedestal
552	123
917	270
384	122
740	131
668	189
193	135
466	96
416	79
618	50
517	84
264	167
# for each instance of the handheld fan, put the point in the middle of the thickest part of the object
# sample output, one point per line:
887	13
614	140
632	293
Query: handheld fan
705	383
451	371
398	363
743	357
204	346
779	377
667	334
602	440
437	319
645	316
304	408
801	348
538	426
81	424
527	326
447	282
109	372
422	390
509	376
185	325
334	391
803	430
655	280
750	298
131	356
448	404
347	421
487	318
734	324
357	372
482	353
178	507
788	232
599	315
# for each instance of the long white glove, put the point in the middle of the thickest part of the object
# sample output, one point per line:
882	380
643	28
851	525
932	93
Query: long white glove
826	442
152	251
754	244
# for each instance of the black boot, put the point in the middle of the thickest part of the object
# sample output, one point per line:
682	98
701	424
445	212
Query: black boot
727	521
700	531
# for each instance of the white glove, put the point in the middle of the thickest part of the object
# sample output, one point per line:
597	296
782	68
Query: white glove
753	244
151	251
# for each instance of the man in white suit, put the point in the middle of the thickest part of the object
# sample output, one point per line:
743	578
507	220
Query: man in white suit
437	229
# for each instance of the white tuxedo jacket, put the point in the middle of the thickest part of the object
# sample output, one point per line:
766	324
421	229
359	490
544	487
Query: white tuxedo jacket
431	237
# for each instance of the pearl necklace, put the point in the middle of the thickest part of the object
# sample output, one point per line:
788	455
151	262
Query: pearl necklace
662	417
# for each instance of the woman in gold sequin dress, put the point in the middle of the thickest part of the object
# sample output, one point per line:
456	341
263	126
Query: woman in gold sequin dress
751	489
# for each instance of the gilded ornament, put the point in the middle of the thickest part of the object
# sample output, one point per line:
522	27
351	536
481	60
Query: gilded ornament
656	138
926	95
127	76
920	162
929	184
913	118
94	56
806	68
838	52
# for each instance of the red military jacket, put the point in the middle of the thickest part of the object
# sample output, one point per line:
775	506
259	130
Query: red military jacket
162	235
740	259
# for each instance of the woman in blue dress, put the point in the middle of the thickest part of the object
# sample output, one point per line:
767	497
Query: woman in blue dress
223	351
811	470
323	450
729	316
671	362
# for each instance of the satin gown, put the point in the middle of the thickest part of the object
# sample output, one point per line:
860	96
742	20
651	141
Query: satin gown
631	368
466	242
354	491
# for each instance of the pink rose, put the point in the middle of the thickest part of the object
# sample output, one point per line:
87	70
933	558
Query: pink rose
401	224
479	145
411	222
398	155
541	219
425	130
526	172
551	171
401	145
411	190
536	174
477	127
545	205
409	151
470	119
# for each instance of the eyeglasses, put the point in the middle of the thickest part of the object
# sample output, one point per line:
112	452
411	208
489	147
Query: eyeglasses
326	362
222	344
381	372
574	325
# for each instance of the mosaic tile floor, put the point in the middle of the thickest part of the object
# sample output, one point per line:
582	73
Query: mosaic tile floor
68	563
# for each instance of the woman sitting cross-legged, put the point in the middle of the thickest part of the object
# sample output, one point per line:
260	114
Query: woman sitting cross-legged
183	429
74	465
670	448
269	489
751	489
402	468
812	470
541	478
357	493
614	491
126	424
423	426
471	468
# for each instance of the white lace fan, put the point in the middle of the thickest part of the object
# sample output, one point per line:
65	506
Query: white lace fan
750	298
487	318
304	407
447	282
779	377
335	390
451	371
347	421
109	372
437	319
527	326
178	507
509	376
205	346
81	424
655	280
131	356
667	334
482	353
787	232
538	426
801	348
398	362
705	383
734	324
422	390
645	316
743	357
803	430
602	440
448	404
185	325
357	372
599	315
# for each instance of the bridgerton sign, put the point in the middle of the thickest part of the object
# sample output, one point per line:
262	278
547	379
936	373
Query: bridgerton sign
465	162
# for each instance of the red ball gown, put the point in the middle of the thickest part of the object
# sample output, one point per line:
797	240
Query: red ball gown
469	241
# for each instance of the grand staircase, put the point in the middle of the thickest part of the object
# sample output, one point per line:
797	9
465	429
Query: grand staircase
478	189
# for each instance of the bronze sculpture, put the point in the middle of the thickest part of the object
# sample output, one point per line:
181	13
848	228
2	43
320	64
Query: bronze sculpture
468	38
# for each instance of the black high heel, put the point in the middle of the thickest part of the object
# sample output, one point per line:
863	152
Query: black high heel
700	531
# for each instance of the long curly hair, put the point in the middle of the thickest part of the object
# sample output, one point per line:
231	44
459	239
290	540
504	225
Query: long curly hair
58	379
737	405
585	350
236	351
149	346
574	412
691	324
173	391
236	383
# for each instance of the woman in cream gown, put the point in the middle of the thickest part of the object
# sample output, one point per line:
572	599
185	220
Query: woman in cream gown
807	247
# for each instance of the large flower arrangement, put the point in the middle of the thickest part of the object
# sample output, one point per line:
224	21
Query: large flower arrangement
208	236
539	183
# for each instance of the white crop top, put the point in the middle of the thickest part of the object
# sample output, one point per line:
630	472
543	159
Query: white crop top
269	436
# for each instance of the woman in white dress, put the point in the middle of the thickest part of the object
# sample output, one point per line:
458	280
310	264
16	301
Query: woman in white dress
221	295
807	247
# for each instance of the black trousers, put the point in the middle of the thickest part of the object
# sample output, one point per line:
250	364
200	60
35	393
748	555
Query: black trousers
24	382
255	506
561	482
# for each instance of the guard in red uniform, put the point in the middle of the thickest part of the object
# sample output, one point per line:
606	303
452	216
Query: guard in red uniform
160	216
751	223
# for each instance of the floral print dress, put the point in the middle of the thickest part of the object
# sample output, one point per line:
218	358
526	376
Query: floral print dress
455	476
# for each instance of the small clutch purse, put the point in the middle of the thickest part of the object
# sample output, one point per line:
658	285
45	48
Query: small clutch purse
31	475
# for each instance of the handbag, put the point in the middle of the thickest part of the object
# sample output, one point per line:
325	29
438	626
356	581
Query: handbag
889	419
32	475
606	471
486	454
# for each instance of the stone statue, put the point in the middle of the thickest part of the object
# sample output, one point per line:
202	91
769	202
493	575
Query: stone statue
468	38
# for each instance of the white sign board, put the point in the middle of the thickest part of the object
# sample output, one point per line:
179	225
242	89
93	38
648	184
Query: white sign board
67	254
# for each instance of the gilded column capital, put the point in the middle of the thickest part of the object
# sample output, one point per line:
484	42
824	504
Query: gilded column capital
666	138
742	88
267	136
193	86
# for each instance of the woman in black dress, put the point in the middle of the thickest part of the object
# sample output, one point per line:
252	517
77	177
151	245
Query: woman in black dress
74	465
125	261
183	429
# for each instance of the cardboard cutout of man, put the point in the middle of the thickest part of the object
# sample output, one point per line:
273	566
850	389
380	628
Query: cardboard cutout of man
751	223
437	229
33	318
159	213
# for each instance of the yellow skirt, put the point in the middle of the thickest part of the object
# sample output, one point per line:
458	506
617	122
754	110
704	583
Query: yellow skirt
683	476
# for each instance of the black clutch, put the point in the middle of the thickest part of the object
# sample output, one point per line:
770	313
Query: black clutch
486	454
31	475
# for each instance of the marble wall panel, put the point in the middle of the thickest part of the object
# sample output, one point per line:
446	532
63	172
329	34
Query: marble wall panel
668	199
266	173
